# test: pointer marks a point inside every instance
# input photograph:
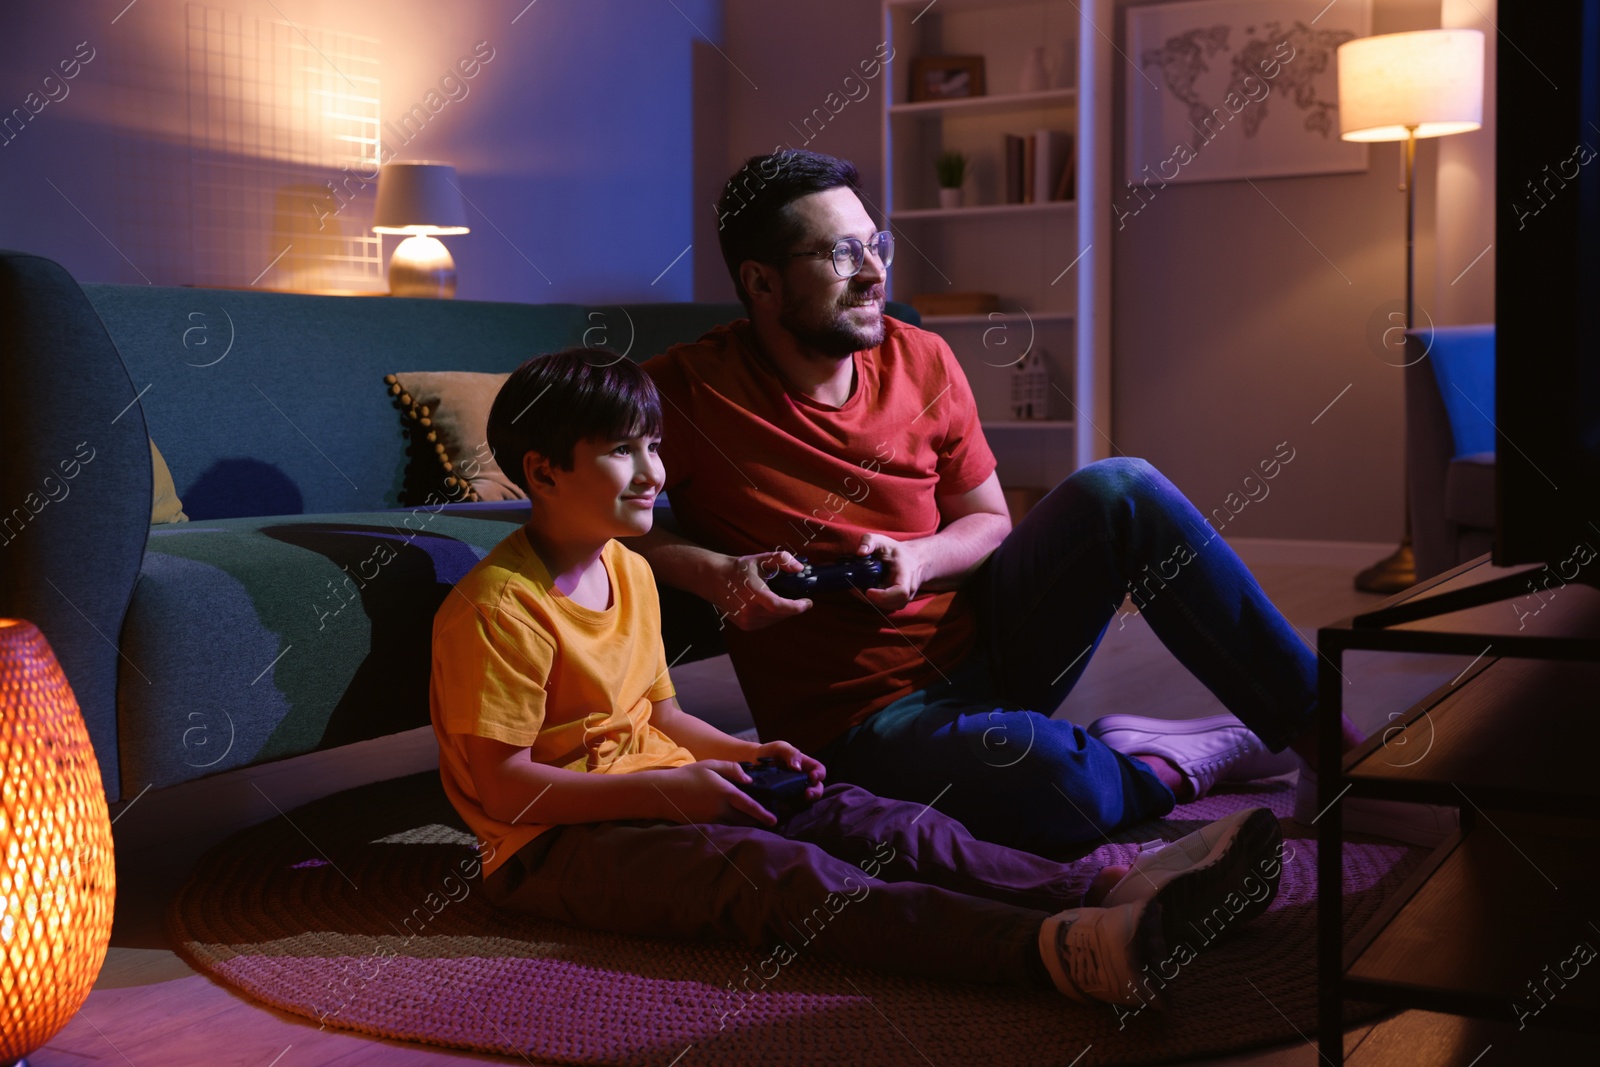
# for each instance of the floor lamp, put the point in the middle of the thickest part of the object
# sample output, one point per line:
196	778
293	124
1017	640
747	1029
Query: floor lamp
1403	87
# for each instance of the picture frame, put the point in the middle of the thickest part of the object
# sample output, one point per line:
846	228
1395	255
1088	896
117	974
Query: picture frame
946	78
1224	90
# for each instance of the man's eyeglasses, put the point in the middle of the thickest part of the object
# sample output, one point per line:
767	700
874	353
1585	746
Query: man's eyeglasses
851	252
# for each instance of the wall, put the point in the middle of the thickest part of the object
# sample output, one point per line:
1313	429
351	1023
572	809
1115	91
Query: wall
573	143
1241	313
580	142
1463	290
1232	330
799	55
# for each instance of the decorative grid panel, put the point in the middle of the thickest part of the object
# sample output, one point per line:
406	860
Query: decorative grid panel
283	145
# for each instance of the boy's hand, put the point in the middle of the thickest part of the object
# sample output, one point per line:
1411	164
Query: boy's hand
703	791
741	592
792	758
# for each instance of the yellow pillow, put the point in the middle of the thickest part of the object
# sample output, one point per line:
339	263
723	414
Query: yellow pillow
164	503
450	410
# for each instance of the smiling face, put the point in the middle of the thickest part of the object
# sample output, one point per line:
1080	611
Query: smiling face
609	492
825	313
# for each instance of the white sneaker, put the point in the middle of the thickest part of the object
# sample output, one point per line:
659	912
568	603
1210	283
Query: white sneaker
1416	824
1215	749
1211	881
1101	954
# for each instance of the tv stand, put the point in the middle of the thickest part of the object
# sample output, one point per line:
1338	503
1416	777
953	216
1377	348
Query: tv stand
1488	926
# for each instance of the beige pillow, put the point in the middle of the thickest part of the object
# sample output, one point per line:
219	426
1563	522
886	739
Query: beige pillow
164	503
450	409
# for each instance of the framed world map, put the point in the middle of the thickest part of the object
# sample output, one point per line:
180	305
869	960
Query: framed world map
1228	89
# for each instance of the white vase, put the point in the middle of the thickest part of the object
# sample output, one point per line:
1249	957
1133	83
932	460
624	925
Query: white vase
1035	78
949	198
1065	74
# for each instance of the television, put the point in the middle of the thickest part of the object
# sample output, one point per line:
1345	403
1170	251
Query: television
1547	286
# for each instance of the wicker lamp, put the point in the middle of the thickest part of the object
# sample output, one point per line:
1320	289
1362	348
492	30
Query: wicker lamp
57	876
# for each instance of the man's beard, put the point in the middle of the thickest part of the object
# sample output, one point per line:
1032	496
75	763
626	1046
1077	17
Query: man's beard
825	329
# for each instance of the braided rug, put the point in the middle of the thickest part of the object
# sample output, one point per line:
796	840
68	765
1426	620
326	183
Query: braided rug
351	911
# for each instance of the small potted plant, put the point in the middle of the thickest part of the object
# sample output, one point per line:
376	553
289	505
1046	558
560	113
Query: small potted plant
951	168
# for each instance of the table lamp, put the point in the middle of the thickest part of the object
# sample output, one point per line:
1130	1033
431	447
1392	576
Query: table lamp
58	879
1402	87
422	201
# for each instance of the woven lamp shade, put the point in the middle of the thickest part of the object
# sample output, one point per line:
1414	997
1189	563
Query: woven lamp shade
57	875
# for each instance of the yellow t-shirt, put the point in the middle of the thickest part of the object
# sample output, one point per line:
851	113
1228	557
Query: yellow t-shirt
517	660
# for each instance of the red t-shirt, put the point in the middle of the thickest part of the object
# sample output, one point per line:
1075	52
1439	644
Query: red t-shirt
752	466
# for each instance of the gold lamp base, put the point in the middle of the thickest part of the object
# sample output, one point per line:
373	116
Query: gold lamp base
1391	574
422	266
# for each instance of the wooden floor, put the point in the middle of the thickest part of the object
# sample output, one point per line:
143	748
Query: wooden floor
149	1008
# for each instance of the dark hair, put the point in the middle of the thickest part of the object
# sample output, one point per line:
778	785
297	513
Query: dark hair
552	402
753	220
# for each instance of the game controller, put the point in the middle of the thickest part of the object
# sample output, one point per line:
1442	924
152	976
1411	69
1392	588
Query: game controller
849	572
775	787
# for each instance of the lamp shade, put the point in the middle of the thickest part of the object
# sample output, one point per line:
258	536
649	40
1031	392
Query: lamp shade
419	198
57	874
1428	79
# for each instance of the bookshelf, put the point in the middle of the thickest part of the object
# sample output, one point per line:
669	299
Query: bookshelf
1049	260
991	102
972	211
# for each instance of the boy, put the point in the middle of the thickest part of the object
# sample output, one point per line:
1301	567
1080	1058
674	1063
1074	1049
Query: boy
600	802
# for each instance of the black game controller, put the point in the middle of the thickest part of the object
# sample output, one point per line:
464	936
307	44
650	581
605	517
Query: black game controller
849	572
776	787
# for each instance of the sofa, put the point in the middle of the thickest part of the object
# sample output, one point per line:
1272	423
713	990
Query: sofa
1450	444
262	627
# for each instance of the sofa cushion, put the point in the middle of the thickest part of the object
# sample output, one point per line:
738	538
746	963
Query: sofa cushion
270	415
164	503
253	395
74	484
449	412
1469	491
1463	364
253	639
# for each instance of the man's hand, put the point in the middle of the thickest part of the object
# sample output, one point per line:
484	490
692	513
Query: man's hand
904	567
789	756
704	791
741	593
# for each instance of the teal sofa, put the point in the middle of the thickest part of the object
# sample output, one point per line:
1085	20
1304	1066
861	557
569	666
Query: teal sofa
266	626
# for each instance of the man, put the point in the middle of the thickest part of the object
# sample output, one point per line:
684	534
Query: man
819	427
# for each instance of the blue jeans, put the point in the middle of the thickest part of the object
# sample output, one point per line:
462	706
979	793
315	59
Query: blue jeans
980	743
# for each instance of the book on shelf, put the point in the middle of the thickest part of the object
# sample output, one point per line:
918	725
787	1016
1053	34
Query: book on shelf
1067	182
1063	166
965	303
1014	168
1030	169
1038	166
